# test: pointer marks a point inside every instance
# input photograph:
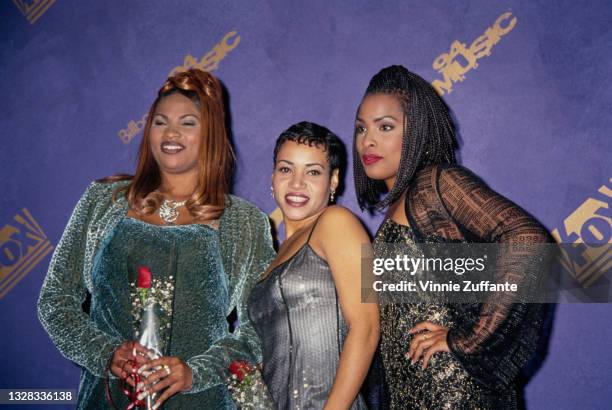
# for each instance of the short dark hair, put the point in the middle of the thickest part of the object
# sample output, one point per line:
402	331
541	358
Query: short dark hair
310	134
428	136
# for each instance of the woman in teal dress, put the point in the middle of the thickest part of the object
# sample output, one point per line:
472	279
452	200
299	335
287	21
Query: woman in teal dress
204	247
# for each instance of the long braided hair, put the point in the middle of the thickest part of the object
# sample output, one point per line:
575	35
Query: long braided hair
428	135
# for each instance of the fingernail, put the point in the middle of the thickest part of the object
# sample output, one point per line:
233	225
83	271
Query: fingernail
143	395
141	369
155	406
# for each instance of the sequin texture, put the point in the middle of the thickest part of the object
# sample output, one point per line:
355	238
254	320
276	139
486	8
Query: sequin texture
297	314
489	342
444	384
243	247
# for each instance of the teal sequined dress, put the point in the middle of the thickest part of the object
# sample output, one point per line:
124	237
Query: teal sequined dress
188	282
199	274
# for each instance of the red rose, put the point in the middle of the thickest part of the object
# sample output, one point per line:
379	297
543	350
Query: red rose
144	277
240	369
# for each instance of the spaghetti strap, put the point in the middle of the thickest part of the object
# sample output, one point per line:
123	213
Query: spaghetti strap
314	226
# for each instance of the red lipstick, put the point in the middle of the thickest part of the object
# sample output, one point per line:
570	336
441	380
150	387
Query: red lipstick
369	159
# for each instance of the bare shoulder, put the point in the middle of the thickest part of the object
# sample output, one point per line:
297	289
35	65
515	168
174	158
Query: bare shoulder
337	216
338	226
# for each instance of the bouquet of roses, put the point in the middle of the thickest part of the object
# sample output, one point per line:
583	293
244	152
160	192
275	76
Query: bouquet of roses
247	387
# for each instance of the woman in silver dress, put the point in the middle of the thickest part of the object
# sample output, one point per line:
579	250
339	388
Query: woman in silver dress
317	337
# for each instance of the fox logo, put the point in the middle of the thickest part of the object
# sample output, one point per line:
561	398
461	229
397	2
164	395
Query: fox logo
23	244
588	229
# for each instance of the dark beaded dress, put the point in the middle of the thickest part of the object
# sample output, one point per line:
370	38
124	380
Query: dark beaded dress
489	342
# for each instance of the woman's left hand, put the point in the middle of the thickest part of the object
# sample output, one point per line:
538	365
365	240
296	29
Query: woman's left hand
174	376
430	340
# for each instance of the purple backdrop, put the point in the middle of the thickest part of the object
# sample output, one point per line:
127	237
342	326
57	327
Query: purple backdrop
529	86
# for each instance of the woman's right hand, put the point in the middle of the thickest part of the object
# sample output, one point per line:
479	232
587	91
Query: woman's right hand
128	351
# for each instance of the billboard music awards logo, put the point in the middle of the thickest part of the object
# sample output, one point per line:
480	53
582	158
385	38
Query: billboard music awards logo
209	62
460	59
23	244
452	69
589	230
33	9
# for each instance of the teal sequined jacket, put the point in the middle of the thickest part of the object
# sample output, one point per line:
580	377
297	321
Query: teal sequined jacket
246	251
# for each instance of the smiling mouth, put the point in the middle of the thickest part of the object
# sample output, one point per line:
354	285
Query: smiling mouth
296	200
370	159
171	147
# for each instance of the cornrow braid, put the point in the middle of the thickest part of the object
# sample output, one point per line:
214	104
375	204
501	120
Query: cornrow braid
428	134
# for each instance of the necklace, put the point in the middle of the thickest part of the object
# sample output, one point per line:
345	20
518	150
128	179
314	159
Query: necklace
168	210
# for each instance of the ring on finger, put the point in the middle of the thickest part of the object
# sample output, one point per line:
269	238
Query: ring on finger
167	369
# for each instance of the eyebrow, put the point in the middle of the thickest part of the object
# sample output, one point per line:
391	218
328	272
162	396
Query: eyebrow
308	165
182	116
380	118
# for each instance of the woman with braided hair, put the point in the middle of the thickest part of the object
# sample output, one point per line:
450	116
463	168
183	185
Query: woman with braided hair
202	248
440	355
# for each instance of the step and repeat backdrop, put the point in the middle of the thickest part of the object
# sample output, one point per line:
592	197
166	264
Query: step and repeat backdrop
529	85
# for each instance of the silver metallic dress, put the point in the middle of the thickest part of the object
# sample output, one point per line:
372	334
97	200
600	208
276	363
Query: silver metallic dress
296	312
